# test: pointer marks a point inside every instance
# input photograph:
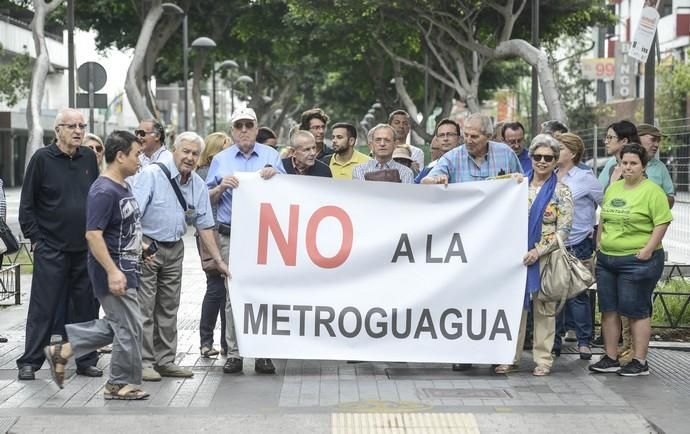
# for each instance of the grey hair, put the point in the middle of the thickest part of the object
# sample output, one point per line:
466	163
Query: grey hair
541	140
487	126
61	115
300	133
370	134
189	136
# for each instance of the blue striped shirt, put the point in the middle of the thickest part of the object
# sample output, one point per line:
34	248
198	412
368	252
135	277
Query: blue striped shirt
162	216
459	166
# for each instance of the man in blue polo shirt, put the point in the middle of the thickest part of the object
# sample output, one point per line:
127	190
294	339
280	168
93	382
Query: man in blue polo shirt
244	156
514	136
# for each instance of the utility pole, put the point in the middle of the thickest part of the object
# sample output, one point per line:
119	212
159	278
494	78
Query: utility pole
650	73
70	53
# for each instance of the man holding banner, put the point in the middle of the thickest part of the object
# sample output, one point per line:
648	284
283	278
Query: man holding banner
476	160
244	156
382	139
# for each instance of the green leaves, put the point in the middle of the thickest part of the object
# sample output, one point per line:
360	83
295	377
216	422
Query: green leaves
15	78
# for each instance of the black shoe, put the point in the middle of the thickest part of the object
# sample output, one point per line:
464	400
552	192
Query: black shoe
556	352
598	341
461	366
605	365
264	366
90	371
233	366
634	369
26	373
2	339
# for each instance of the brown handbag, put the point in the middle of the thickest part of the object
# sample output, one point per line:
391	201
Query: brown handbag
208	263
387	175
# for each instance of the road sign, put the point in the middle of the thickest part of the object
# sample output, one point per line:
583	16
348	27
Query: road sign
100	100
626	68
91	72
644	34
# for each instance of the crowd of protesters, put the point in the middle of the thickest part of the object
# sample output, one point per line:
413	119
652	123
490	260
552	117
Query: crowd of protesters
115	241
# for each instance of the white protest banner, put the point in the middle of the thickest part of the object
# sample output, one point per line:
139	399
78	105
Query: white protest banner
330	269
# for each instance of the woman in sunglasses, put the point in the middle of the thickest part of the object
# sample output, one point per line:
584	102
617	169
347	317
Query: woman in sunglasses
550	212
634	218
96	144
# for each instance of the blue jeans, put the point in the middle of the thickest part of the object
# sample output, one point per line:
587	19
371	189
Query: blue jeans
576	313
626	283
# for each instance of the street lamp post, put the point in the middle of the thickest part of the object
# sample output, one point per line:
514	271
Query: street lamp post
240	79
201	42
224	64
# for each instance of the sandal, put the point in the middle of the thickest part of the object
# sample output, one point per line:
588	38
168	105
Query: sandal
504	369
209	352
54	355
123	392
541	371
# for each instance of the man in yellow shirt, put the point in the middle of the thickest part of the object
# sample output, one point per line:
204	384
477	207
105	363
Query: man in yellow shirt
345	157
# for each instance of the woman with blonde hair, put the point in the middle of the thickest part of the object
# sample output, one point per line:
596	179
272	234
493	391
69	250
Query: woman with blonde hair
96	144
214	298
587	194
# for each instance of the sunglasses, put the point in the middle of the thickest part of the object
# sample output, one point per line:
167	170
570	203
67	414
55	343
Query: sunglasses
97	148
143	133
542	157
246	124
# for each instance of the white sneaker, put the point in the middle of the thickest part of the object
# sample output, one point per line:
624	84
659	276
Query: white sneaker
570	336
150	374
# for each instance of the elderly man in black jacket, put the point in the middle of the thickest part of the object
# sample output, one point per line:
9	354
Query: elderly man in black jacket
52	214
303	160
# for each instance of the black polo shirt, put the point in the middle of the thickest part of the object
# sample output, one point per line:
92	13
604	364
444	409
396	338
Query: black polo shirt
318	169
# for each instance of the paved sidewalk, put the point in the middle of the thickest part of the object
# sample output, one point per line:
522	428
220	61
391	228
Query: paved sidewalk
308	396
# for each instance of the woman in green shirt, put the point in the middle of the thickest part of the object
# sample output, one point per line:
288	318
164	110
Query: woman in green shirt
634	218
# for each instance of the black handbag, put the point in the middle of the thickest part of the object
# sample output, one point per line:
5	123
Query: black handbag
8	242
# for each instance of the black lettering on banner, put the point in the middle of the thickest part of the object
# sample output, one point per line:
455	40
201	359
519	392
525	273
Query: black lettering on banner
457	251
504	328
302	309
383	326
326	322
404	242
408	323
358	322
429	327
278	319
470	333
456	325
258	321
429	259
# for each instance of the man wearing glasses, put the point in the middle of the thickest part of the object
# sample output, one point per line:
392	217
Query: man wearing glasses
478	159
315	121
152	136
514	136
52	214
244	156
446	137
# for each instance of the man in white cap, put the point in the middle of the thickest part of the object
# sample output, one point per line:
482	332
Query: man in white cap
244	156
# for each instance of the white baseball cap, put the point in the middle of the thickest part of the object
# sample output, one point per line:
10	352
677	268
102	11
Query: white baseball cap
244	113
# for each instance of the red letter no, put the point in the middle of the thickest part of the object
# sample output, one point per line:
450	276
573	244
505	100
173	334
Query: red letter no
268	220
312	227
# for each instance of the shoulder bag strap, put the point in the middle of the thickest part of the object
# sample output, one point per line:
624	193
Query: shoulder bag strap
175	187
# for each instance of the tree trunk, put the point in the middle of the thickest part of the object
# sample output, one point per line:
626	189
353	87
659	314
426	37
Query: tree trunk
38	77
135	73
536	57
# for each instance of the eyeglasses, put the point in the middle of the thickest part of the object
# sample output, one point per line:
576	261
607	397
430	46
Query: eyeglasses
444	135
143	133
609	138
317	128
246	124
74	126
97	148
542	157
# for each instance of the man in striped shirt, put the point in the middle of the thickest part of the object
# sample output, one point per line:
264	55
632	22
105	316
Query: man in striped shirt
478	159
382	140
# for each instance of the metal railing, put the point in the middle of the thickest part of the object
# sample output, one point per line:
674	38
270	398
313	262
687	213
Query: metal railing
10	283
